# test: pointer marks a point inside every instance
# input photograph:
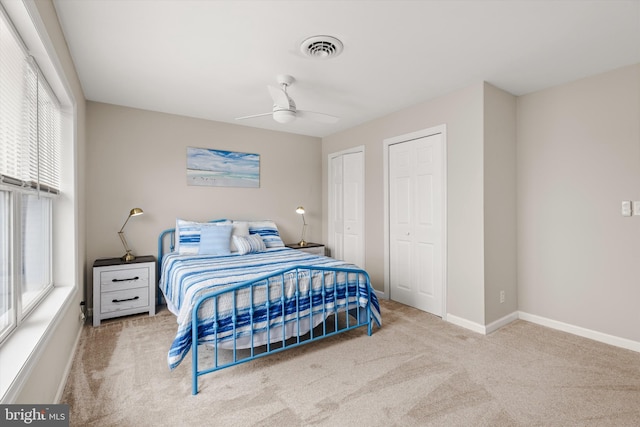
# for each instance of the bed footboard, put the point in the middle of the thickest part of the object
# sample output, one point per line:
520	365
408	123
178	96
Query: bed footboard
278	312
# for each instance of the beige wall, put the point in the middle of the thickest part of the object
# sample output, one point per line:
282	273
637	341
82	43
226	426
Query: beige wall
137	158
578	158
462	113
499	203
48	373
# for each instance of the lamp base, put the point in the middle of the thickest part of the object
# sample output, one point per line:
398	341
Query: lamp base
302	243
128	257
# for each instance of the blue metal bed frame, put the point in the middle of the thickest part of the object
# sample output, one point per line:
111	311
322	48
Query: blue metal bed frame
362	315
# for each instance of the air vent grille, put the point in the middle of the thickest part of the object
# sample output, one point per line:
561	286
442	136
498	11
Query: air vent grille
321	47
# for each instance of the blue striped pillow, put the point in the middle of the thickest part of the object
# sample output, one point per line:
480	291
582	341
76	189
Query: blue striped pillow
268	231
249	244
187	237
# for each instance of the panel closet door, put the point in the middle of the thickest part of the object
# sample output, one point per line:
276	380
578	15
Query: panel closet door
346	207
415	223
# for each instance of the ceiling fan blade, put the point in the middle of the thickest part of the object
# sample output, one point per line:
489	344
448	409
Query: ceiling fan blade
318	117
279	97
254	115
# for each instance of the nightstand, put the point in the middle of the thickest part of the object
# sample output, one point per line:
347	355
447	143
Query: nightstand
312	248
121	288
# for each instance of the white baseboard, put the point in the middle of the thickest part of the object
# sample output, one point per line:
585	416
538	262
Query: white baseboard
467	324
582	332
482	329
67	369
549	323
494	326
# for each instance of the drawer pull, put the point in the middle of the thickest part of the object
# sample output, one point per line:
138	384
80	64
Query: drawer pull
125	280
127	299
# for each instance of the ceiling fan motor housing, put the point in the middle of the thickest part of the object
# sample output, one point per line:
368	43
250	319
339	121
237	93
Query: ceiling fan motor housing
284	116
285	79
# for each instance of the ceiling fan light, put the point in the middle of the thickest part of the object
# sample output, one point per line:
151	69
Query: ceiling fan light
284	116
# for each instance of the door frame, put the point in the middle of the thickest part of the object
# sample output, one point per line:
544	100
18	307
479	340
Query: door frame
442	130
330	230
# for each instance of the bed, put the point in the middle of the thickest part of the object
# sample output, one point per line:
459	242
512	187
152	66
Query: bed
246	295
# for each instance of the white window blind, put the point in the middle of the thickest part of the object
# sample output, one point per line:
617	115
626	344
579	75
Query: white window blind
30	127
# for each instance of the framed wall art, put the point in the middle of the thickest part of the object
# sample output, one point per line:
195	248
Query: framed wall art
220	168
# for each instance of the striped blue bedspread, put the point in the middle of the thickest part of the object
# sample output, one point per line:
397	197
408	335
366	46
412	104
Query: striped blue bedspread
185	278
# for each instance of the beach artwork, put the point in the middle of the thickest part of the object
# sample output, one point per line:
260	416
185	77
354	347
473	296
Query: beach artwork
219	168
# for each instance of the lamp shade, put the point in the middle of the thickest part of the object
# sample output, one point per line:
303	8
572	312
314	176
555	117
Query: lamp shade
300	210
136	212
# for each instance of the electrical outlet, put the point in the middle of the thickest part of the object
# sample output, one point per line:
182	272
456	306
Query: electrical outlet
83	316
501	297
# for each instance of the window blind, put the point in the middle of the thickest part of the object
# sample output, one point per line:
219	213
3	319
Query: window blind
30	118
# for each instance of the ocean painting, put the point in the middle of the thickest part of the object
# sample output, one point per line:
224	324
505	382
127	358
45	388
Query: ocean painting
219	168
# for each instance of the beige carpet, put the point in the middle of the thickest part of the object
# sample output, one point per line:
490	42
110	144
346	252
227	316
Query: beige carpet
415	371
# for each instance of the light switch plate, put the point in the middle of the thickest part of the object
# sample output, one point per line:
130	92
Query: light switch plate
636	207
626	208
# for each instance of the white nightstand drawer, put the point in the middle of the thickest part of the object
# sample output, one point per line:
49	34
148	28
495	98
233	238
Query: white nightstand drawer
124	279
125	299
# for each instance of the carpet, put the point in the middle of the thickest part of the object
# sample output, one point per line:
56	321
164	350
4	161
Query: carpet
415	371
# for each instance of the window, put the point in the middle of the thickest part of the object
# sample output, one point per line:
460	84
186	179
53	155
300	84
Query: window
6	295
30	139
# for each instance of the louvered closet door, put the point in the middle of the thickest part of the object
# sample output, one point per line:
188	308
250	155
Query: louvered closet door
415	223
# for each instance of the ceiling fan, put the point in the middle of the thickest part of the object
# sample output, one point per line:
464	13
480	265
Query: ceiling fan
284	108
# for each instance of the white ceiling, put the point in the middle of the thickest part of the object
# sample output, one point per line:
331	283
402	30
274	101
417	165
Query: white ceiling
214	59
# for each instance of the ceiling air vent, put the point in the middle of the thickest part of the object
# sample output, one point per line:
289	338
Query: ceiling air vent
321	47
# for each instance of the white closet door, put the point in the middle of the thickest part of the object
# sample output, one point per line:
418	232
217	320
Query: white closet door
346	207
336	208
353	248
415	223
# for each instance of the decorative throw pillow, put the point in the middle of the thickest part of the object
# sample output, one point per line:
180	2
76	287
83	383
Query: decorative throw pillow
268	231
215	239
240	228
187	237
249	244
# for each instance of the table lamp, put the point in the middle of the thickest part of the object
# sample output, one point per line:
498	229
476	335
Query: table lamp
128	256
300	210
